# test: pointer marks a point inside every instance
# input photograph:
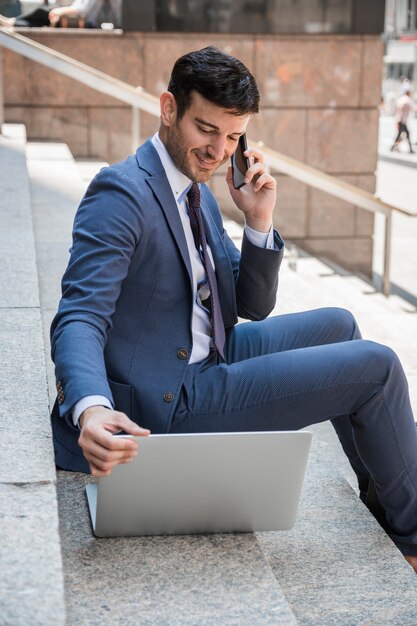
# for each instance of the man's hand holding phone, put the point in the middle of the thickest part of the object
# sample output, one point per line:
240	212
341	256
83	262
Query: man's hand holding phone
253	191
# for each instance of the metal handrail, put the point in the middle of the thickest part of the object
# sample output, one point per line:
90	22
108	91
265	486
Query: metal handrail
135	96
141	100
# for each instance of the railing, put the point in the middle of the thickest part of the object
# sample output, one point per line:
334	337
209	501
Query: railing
140	100
135	96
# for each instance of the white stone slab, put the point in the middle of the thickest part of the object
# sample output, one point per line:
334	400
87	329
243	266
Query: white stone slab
31	580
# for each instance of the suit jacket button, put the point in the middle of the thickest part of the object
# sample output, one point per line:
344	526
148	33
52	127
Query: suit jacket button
168	396
182	353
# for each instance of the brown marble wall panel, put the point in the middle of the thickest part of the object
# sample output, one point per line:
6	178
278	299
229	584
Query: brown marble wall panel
319	106
120	57
290	214
371	75
109	133
162	51
355	254
329	215
364	220
283	130
15	78
306	71
69	125
343	140
149	124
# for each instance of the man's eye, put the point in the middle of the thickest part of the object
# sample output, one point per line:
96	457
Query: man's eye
205	130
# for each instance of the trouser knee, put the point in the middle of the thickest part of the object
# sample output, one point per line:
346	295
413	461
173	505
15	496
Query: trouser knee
382	360
345	324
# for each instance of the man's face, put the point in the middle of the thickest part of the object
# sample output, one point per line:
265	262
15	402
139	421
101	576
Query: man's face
204	138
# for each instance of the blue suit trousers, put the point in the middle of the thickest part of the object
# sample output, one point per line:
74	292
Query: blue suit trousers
290	371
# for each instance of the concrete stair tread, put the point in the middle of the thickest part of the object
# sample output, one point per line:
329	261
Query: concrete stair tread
337	565
198	579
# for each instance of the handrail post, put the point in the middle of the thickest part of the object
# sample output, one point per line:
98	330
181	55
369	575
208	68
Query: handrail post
387	254
1	89
135	128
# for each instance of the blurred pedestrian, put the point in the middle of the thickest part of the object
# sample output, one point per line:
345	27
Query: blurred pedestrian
405	105
405	85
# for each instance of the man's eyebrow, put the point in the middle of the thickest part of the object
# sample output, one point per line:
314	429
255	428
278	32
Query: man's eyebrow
201	121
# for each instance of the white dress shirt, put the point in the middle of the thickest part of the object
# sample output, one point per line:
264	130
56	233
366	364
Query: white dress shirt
200	322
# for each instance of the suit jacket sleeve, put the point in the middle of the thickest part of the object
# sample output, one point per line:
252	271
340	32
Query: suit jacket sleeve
257	279
106	230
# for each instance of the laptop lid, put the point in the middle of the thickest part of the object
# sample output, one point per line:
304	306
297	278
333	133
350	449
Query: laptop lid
203	483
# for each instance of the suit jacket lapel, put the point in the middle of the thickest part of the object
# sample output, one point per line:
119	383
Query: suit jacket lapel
148	160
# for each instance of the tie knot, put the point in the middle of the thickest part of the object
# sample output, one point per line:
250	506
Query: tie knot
194	196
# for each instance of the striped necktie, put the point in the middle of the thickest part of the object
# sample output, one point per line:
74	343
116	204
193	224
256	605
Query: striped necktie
199	233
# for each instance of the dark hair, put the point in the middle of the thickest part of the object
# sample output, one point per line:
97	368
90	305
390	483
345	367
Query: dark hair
218	77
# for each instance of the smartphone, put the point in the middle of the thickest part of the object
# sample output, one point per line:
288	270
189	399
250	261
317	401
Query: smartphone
240	163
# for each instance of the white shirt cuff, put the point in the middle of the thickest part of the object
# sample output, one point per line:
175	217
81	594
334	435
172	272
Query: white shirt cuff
261	240
85	403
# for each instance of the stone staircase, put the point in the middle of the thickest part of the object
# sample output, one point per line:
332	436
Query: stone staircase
336	566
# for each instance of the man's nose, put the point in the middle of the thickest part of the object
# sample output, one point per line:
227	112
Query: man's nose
217	148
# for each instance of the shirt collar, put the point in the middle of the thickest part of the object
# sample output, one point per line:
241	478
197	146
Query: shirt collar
179	182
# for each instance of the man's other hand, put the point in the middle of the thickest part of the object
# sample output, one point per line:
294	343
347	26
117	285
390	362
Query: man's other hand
100	448
256	199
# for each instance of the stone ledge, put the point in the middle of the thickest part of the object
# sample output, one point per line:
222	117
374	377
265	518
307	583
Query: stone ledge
18	277
31	582
27	454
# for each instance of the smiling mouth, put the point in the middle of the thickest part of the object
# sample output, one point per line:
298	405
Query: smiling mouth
204	164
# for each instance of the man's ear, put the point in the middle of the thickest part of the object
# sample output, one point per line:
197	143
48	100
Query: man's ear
168	109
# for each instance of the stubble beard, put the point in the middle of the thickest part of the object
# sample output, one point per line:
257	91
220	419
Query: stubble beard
181	157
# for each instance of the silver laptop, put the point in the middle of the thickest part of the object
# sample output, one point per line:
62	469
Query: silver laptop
203	483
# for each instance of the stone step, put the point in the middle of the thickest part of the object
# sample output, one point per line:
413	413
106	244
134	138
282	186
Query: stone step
31	579
337	567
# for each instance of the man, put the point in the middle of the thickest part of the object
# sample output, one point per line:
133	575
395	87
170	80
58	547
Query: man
146	338
404	106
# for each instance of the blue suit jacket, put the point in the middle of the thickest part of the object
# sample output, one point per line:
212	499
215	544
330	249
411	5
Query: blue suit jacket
126	300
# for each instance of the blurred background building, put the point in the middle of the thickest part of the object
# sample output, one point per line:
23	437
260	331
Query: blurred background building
319	66
400	60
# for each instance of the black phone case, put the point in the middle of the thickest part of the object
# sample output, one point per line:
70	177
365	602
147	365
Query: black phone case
240	163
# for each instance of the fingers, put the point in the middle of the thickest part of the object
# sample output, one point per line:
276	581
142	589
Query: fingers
100	466
258	172
260	177
102	450
255	154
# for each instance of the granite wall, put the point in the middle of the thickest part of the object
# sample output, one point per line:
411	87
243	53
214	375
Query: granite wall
319	93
